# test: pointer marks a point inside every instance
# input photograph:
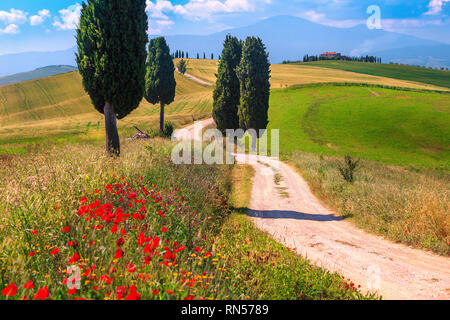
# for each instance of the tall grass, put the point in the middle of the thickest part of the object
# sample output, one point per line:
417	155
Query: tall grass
404	205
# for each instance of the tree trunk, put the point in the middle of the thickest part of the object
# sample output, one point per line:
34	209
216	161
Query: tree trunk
112	136
161	118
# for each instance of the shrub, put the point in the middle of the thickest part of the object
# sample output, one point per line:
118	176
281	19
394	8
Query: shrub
168	129
182	66
347	169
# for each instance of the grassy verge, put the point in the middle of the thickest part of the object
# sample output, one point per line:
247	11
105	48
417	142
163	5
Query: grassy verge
261	268
403	205
137	227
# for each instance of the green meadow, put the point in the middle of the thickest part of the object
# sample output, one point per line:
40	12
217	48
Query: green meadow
390	126
417	74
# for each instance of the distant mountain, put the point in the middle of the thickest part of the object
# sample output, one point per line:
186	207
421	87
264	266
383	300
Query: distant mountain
36	74
286	38
24	62
429	56
290	38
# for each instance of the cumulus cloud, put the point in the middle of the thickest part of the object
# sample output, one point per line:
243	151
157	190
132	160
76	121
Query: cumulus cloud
10	29
13	16
68	18
435	6
201	9
40	17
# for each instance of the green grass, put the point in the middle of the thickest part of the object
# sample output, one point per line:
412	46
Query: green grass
410	73
54	203
392	126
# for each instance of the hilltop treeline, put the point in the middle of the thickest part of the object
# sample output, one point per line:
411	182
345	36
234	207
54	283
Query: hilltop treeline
180	54
312	58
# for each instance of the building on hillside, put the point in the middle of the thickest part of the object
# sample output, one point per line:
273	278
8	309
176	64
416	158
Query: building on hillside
330	55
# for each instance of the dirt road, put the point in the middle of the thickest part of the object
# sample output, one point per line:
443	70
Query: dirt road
283	205
195	79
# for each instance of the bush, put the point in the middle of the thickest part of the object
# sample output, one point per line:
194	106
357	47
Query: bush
168	129
347	169
182	66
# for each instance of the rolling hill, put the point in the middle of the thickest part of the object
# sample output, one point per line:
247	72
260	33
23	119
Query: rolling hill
409	73
57	106
286	38
36	74
392	126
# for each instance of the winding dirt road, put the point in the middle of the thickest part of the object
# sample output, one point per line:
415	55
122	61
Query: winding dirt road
283	205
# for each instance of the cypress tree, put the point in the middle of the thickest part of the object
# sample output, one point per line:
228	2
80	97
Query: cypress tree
227	90
254	75
111	39
160	79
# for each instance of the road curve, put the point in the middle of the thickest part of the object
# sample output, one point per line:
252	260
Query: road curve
283	205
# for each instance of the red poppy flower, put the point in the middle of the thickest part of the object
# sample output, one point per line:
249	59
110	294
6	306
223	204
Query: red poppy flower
10	290
132	195
169	291
32	253
42	293
120	242
72	291
74	258
155	292
66	229
119	254
54	251
164	229
28	285
83	200
34	232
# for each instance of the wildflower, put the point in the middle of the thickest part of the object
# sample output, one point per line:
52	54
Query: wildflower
119	254
120	242
163	229
66	229
28	285
54	252
132	195
73	290
34	232
155	292
42	293
32	253
10	290
169	291
83	200
74	258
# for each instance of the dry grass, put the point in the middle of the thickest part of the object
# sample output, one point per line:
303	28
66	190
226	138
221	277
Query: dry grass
405	206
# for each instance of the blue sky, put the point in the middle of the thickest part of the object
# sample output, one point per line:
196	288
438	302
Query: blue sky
48	25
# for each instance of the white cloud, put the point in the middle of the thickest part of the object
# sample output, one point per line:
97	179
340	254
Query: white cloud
435	6
156	27
201	9
321	18
10	29
40	17
13	16
69	18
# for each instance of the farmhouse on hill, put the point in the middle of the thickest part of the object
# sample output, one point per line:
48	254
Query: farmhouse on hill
330	55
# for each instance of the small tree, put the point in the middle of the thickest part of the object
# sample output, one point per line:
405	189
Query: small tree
254	75
182	66
347	169
111	40
160	81
227	90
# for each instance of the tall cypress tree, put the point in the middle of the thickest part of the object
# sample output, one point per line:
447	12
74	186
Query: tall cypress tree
111	39
227	90
160	79
254	75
